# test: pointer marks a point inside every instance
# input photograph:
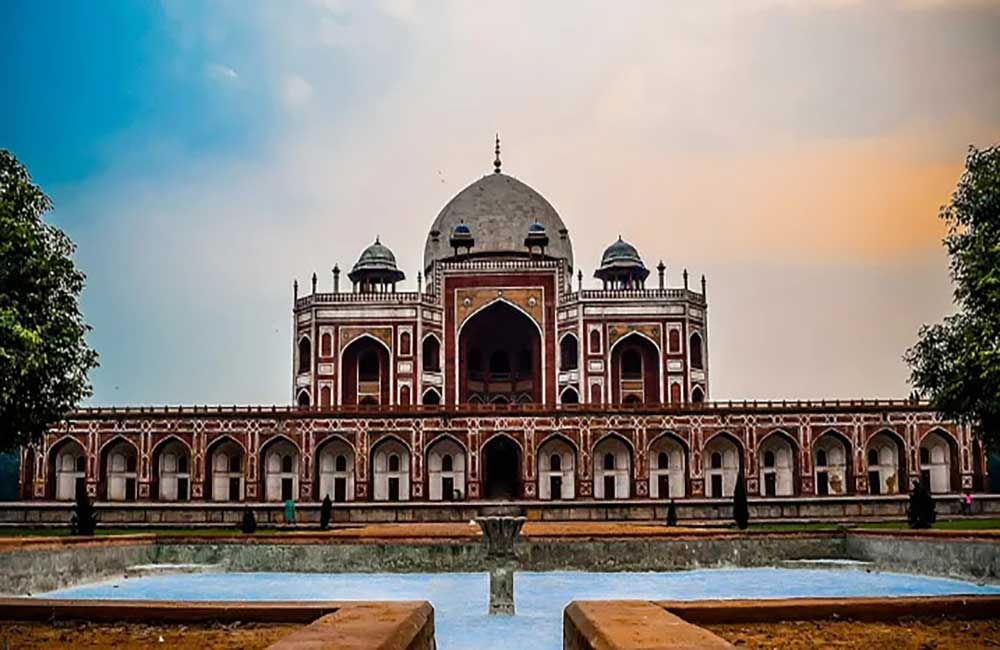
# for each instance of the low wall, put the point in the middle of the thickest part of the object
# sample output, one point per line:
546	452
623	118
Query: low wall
944	553
631	625
155	514
666	625
360	625
32	566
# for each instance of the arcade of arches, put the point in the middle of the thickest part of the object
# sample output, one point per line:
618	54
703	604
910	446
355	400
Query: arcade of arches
557	469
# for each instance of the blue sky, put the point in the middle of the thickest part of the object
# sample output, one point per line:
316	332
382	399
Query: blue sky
204	154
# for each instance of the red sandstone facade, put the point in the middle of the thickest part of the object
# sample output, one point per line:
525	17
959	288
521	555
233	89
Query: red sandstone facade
501	380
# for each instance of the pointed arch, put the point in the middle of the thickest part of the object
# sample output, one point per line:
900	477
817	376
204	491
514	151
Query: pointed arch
501	462
569	352
446	460
939	459
67	469
722	459
279	468
669	457
778	461
642	383
833	463
390	468
171	476
888	475
557	457
613	457
334	467
225	462
569	395
304	347
352	389
119	464
430	352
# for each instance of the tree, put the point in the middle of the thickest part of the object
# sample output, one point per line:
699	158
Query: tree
672	514
84	520
741	508
921	512
249	523
324	512
956	364
44	357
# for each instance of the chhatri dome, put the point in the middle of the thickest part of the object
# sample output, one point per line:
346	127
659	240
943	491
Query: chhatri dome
622	267
498	211
375	267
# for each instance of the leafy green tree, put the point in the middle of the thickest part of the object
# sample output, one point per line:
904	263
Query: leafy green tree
956	363
44	356
921	513
741	507
84	520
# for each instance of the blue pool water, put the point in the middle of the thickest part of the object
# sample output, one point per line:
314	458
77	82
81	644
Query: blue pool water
461	599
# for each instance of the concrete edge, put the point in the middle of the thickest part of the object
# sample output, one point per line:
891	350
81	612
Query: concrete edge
367	626
43	609
631	625
708	612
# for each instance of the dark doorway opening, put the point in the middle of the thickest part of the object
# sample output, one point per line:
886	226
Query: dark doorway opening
393	488
502	473
234	489
822	484
874	483
770	485
130	489
555	487
286	489
663	487
448	488
340	489
716	486
609	487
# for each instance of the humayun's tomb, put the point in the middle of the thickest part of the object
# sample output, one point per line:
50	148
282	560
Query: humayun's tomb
501	378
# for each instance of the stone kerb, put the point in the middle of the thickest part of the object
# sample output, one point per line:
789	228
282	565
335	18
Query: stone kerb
367	626
631	625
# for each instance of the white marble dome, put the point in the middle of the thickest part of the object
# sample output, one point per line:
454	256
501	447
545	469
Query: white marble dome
499	210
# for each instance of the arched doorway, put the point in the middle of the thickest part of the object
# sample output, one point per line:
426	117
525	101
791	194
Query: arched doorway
886	464
67	470
635	371
501	468
500	355
365	372
556	469
335	470
667	468
445	470
777	455
938	462
832	456
723	459
224	478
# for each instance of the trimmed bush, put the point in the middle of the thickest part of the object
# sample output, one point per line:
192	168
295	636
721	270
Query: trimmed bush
249	523
741	509
921	512
84	520
325	511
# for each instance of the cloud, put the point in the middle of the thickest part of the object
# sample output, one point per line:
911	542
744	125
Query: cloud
796	154
296	92
220	72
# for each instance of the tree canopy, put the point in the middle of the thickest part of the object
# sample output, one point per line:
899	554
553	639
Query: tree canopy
44	356
956	363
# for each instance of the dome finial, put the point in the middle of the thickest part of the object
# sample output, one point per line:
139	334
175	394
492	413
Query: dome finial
377	239
496	162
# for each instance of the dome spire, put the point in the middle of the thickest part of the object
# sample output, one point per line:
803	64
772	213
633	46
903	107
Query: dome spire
496	161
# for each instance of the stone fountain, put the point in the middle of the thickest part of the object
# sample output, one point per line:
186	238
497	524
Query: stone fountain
501	527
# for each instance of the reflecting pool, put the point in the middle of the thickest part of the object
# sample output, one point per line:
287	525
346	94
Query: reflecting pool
461	599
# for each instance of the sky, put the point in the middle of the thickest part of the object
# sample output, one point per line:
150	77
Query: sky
202	155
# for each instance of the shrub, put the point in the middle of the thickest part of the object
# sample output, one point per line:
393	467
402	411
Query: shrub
84	519
249	523
324	513
672	514
921	513
741	509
